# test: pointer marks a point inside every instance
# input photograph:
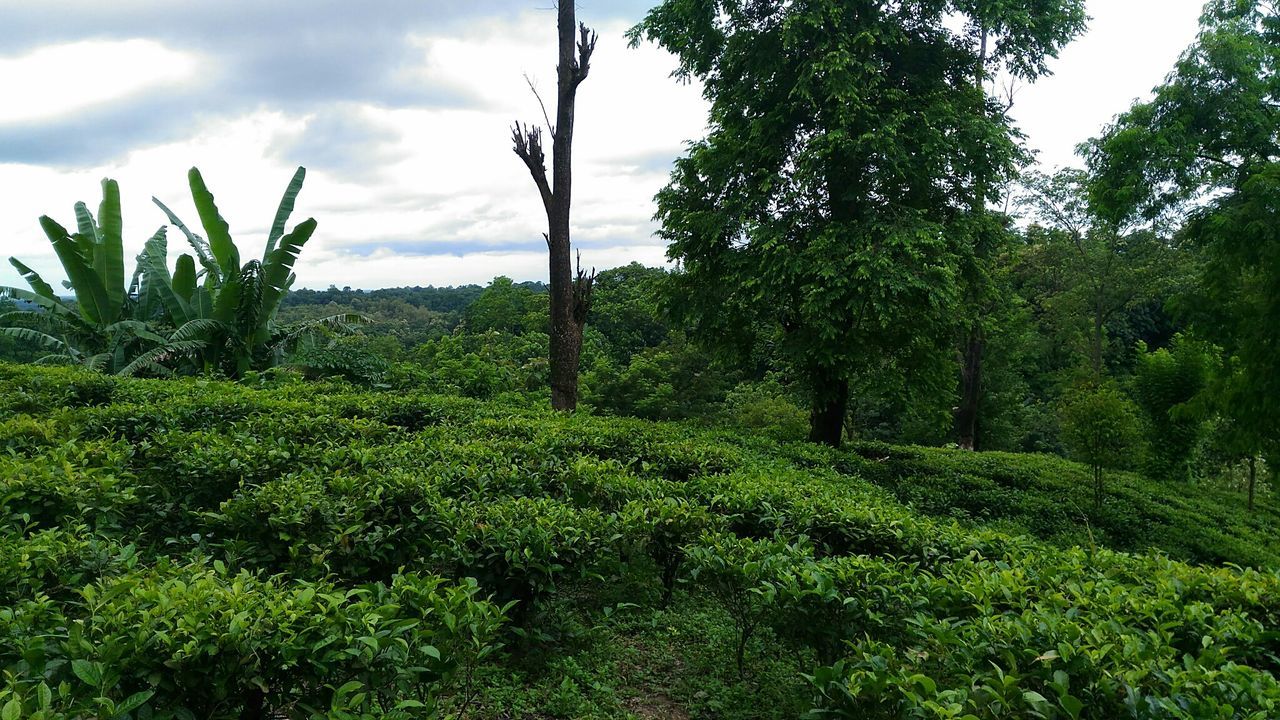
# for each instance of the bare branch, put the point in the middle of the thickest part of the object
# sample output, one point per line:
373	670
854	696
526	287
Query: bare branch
527	142
550	125
586	47
583	289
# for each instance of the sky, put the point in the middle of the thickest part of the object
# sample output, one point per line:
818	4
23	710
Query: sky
401	112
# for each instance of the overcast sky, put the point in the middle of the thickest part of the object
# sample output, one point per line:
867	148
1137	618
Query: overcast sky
400	110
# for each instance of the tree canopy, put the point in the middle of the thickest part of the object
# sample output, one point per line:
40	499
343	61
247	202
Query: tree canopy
847	143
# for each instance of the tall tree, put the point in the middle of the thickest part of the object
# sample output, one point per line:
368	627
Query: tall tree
570	291
847	139
1093	269
1207	148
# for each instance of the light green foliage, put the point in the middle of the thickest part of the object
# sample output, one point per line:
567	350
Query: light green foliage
1165	383
239	303
841	153
1085	273
1100	427
765	407
481	365
200	548
109	324
509	308
1206	148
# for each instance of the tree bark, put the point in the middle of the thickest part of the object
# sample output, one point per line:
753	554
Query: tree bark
1253	479
1095	345
970	389
830	403
966	416
570	291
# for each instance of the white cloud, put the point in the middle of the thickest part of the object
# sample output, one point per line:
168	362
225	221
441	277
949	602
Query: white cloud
58	80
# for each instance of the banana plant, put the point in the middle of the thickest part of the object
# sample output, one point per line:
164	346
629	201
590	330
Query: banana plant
242	299
107	324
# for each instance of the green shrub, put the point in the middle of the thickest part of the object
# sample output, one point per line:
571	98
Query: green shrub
1100	428
738	572
195	641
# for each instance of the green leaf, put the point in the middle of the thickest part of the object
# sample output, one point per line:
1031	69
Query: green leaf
1034	698
277	269
926	683
88	672
35	337
215	228
37	283
285	210
158	280
197	243
108	256
91	294
134	701
45	696
12	710
184	277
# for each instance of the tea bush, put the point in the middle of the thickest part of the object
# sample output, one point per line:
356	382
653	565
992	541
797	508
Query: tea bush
280	549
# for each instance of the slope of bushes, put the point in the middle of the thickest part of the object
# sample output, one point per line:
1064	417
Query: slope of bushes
200	549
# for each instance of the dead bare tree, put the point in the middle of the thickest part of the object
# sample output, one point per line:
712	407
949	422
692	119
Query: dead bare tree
570	287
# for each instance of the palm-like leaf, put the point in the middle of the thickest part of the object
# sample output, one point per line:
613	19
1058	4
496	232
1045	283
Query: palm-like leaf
54	306
37	283
197	243
154	360
35	337
277	269
91	294
285	210
215	228
159	282
184	277
198	329
86	231
108	250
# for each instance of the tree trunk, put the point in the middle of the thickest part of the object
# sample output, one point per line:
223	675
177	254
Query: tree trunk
1097	487
970	389
830	401
966	417
570	292
1095	349
1253	479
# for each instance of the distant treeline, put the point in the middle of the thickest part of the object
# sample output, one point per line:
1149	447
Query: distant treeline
451	299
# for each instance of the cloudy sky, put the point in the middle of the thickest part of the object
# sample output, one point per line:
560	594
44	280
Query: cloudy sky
400	110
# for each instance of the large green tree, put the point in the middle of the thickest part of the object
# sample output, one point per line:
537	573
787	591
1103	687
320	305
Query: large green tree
1088	272
1206	149
848	143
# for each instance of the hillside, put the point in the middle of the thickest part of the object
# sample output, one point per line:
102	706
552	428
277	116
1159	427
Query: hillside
203	549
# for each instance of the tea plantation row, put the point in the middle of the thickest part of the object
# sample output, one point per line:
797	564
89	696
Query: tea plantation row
195	549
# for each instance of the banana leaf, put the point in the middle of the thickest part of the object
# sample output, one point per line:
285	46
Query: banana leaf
285	210
37	283
91	294
108	251
215	228
159	282
197	243
277	270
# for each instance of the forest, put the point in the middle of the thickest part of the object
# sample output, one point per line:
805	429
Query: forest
906	428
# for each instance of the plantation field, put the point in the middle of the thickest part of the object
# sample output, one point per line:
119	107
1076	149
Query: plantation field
198	549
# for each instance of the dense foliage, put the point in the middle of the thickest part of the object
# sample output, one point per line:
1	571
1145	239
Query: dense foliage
201	549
